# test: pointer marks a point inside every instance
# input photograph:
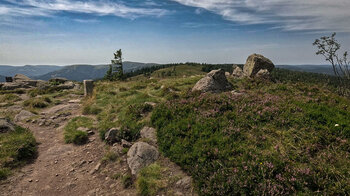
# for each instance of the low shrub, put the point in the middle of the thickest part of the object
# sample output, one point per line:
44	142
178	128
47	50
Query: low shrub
260	143
91	110
9	98
40	102
110	156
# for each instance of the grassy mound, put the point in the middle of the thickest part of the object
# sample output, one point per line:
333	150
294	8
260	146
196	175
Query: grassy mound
123	104
16	149
40	102
275	139
73	135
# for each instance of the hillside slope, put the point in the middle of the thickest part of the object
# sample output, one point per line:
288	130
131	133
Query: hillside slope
28	70
322	69
83	72
285	136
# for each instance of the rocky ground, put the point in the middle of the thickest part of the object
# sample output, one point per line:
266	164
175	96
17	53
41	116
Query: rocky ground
68	169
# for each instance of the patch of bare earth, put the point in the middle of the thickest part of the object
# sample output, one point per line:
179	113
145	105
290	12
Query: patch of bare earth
60	168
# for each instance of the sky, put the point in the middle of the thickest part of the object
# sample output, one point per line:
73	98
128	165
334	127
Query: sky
65	32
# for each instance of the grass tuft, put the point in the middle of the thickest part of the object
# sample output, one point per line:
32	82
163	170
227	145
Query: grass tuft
149	181
16	149
72	135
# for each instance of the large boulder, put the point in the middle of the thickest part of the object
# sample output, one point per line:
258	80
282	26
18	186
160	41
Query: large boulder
255	63
23	115
6	125
141	155
215	82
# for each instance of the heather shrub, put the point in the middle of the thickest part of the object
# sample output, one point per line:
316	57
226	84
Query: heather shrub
262	142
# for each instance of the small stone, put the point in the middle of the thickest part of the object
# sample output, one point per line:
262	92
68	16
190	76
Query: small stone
30	180
97	167
126	144
56	174
36	180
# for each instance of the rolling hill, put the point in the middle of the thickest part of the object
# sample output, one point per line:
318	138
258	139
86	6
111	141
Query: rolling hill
28	70
83	72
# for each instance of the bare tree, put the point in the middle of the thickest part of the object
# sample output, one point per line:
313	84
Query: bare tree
329	47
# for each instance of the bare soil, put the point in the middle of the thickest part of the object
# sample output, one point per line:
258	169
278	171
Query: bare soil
60	168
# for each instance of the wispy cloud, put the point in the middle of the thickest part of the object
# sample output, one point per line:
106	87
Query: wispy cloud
99	8
289	15
86	20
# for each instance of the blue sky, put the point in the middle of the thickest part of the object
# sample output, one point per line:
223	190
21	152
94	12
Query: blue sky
65	32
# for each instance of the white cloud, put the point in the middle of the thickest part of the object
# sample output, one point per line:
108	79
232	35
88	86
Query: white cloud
289	15
100	8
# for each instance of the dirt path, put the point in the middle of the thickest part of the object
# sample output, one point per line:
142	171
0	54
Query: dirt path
64	169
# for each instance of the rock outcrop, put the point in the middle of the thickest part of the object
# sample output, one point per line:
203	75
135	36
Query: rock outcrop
20	78
23	115
21	81
255	63
149	133
263	74
215	82
141	155
6	125
238	73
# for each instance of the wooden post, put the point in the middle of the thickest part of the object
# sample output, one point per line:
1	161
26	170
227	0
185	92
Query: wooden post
88	88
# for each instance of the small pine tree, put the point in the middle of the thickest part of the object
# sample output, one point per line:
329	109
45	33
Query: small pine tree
109	75
115	71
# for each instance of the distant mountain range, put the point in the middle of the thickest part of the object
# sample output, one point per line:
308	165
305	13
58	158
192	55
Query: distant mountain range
71	72
82	72
2	78
28	70
322	69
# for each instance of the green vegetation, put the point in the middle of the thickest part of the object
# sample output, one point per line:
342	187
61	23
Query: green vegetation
16	149
277	138
329	47
122	104
9	99
110	156
127	180
288	136
150	180
73	135
115	71
37	102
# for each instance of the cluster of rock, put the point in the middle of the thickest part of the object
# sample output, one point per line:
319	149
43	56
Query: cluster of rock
140	154
257	66
20	81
